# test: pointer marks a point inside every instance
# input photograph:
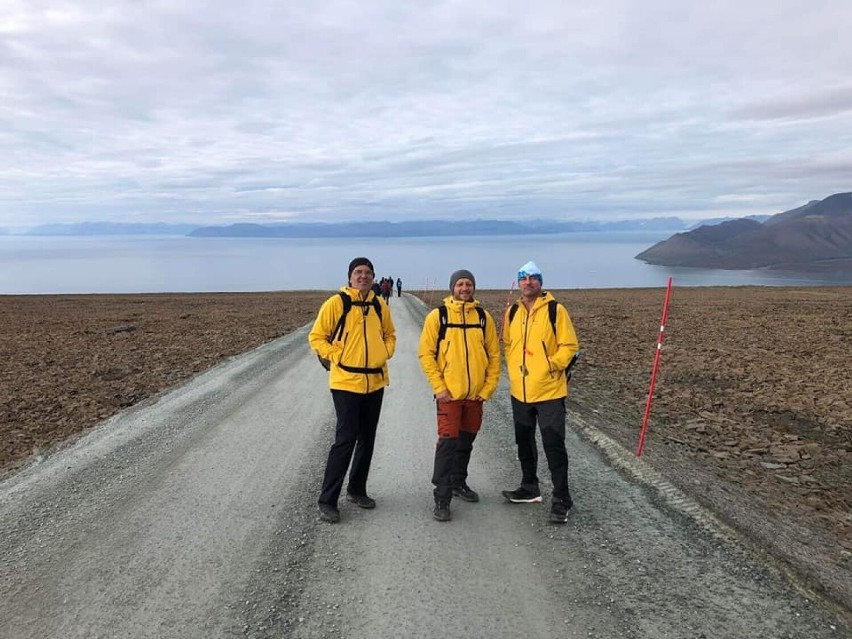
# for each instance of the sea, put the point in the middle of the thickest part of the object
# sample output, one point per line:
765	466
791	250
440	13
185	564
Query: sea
159	264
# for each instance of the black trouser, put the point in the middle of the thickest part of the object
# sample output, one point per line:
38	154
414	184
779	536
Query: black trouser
551	421
452	457
357	420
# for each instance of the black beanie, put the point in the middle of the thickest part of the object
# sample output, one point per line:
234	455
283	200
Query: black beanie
461	273
359	261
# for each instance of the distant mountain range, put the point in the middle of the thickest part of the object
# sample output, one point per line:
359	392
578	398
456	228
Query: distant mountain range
111	228
816	237
433	228
419	228
718	220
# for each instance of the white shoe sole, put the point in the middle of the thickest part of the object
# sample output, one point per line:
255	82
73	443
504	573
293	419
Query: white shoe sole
515	500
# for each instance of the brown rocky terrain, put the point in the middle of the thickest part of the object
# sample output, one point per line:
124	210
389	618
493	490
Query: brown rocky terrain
752	413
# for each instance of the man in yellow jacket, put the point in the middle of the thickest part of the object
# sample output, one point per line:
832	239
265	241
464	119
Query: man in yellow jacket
460	354
539	343
357	344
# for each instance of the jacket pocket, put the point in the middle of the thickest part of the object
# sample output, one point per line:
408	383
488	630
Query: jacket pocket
547	359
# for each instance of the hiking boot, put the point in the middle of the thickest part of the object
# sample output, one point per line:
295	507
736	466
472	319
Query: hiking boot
329	513
464	491
442	511
522	496
362	501
559	512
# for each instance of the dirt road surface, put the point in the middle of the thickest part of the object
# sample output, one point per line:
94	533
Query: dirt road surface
193	515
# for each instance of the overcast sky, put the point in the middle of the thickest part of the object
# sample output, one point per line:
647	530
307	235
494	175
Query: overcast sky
222	111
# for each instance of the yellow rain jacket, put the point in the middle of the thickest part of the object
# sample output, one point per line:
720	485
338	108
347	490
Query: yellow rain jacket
535	357
467	361
360	353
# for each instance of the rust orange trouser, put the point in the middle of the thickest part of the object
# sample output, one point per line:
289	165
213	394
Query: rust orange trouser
458	423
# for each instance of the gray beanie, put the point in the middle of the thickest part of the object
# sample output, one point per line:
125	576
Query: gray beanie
461	273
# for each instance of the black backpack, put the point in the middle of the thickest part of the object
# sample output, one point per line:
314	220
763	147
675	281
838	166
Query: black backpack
551	313
444	324
337	333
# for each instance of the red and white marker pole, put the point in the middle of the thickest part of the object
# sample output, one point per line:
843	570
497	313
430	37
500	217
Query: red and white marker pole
654	370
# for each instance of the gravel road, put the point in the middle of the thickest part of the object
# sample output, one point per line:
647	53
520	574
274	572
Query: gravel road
193	515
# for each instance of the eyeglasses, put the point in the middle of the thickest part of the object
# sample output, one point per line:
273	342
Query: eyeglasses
362	272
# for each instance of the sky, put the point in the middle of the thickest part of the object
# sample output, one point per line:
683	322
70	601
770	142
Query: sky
267	111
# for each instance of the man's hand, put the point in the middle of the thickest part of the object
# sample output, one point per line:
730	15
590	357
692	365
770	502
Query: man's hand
444	396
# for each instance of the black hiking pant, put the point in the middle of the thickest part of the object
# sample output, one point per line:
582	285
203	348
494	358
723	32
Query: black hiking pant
357	420
550	415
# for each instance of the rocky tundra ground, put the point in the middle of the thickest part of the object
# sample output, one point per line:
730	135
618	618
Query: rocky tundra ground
752	413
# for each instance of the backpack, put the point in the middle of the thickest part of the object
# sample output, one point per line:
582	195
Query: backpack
337	333
444	324
551	313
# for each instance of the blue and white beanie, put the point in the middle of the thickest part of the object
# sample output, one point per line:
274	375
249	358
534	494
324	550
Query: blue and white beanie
530	270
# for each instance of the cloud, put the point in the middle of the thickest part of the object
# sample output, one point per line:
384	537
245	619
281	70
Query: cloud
825	104
206	111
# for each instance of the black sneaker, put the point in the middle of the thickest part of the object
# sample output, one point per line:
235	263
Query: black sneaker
442	511
362	501
464	491
329	513
559	512
522	496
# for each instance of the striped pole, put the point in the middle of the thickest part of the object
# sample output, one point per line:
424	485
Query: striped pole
654	370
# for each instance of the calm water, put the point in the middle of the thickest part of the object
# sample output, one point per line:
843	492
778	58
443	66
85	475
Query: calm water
135	264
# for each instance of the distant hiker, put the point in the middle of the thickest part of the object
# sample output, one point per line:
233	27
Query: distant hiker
537	353
358	349
386	289
460	354
398	287
377	289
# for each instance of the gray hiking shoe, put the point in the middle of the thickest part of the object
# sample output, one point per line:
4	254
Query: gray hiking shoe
362	501
442	511
559	512
465	492
329	513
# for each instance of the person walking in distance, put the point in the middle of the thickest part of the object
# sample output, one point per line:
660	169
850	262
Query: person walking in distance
354	332
386	289
460	354
539	343
398	287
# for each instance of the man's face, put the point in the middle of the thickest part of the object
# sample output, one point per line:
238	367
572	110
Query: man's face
463	290
529	286
361	278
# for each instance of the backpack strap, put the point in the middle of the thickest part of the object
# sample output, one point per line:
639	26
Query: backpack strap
481	312
551	313
444	324
512	310
337	333
361	369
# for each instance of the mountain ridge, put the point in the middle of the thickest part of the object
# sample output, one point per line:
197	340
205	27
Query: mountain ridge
816	236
